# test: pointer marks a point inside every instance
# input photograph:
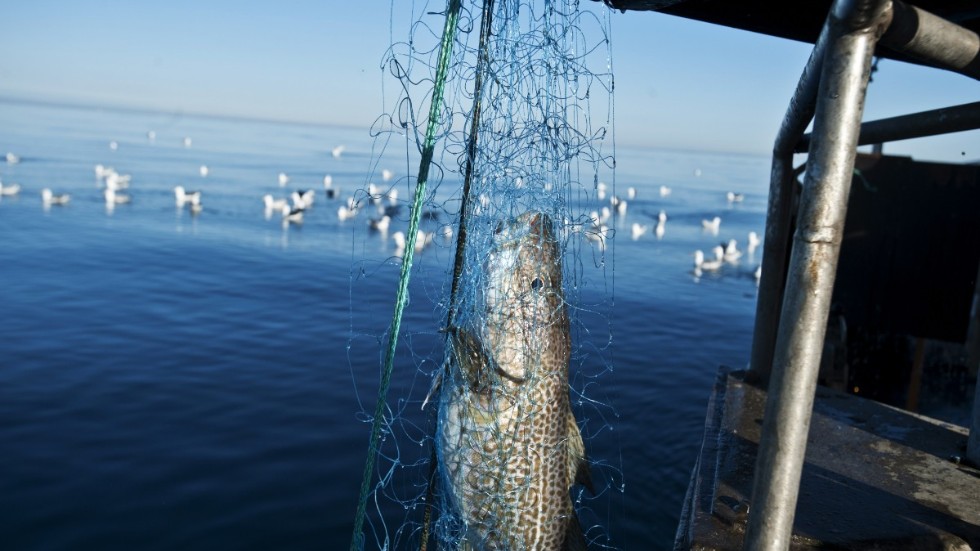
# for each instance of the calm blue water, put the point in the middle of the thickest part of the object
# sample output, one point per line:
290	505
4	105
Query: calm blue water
170	381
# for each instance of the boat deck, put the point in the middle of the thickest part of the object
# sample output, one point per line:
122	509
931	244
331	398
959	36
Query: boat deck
875	477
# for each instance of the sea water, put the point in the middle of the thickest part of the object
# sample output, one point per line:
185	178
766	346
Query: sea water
179	381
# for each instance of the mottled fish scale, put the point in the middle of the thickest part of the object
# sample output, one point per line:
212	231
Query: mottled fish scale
509	446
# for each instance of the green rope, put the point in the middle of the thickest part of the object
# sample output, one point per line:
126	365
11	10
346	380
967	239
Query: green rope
448	35
461	235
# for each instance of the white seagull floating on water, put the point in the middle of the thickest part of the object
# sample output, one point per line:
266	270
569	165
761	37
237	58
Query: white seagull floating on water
345	212
116	181
387	175
380	224
332	192
731	252
661	225
638	230
709	265
272	203
303	198
113	198
49	198
631	193
291	215
664	191
735	197
204	171
185	197
283	179
712	225
753	241
9	190
338	151
12	159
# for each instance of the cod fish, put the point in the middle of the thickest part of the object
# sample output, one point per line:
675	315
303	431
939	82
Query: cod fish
509	447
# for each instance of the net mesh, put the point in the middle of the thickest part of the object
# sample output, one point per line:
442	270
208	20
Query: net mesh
518	333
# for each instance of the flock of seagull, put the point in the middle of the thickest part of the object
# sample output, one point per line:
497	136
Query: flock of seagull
724	253
291	210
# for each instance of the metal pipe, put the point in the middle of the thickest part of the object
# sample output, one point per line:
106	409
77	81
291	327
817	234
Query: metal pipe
854	30
779	213
933	40
973	355
957	118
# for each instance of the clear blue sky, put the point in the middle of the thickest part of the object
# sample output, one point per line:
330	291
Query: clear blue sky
679	84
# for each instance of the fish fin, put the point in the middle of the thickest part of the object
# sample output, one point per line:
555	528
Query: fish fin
574	536
436	384
471	357
578	464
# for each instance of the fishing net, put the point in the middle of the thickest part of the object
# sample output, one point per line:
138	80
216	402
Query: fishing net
508	107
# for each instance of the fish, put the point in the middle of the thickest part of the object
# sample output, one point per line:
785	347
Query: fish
508	445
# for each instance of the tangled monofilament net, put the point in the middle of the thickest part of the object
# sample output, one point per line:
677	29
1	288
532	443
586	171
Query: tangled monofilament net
525	125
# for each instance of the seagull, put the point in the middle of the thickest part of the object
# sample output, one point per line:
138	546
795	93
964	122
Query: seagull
631	193
113	145
599	236
116	181
49	198
291	215
387	175
710	265
447	231
274	204
283	179
187	141
601	190
113	198
605	214
711	225
731	252
753	241
204	171
9	190
345	212
331	192
393	196
12	159
735	197
661	225
184	197
638	230
338	151
399	239
422	240
151	135
303	198
380	224
664	191
621	207
758	274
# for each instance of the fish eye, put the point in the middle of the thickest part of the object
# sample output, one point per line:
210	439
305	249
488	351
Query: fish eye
537	284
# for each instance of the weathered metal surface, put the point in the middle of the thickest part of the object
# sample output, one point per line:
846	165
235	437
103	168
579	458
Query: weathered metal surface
853	29
794	20
957	118
775	248
875	477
